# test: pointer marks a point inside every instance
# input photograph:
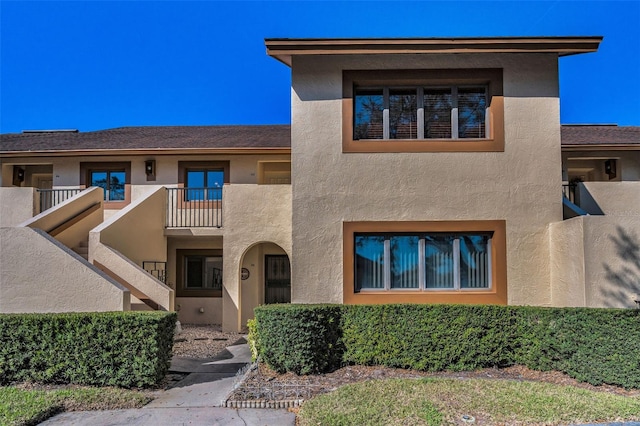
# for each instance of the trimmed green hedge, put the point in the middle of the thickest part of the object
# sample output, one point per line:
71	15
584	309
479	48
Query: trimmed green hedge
429	337
126	349
592	345
305	339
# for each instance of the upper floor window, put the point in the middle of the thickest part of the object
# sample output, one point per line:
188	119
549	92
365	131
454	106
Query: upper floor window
111	181
204	184
203	180
423	111
114	179
453	112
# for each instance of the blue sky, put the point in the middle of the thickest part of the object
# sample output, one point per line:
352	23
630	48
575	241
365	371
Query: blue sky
93	65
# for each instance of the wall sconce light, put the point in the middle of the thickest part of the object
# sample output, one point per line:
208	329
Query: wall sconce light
18	175
610	168
150	169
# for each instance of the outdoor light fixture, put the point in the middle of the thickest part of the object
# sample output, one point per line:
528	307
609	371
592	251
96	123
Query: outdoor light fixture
610	168
150	169
18	175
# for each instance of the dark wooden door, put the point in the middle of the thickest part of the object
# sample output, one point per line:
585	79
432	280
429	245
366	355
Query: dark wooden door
277	279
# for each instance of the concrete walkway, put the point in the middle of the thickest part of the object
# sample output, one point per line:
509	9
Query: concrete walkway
195	400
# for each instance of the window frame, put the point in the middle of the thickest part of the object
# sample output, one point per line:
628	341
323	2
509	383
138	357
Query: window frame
495	294
86	169
423	282
399	79
184	167
181	286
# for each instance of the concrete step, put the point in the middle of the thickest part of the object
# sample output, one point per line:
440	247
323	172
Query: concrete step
83	251
140	307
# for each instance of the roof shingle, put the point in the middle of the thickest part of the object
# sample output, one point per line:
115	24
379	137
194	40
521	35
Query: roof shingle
232	137
151	137
578	135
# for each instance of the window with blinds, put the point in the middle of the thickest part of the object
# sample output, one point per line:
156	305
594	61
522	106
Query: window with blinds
438	261
405	113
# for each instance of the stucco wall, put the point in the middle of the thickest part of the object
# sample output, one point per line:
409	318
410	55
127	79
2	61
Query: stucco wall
252	214
66	212
16	205
137	231
38	274
611	198
601	261
520	185
566	240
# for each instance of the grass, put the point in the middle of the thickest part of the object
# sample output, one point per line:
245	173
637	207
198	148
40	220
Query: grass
30	407
443	401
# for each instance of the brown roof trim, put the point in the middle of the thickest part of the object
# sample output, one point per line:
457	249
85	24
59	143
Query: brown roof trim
601	147
284	48
129	152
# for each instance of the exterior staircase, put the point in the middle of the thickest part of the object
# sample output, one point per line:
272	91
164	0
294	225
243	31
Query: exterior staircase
83	249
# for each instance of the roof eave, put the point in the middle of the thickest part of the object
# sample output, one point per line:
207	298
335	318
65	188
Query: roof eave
601	147
150	151
284	49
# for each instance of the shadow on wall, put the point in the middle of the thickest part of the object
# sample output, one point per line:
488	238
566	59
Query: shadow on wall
625	279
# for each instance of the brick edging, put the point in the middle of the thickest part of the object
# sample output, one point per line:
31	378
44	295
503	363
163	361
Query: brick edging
289	403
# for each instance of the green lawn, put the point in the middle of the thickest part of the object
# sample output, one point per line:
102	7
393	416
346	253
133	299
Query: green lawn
442	401
29	407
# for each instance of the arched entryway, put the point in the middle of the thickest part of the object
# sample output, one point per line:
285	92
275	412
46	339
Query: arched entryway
265	277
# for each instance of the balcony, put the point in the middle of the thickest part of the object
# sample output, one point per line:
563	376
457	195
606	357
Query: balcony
244	206
52	197
194	208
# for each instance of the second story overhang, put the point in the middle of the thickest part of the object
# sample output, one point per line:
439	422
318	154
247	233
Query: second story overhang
283	49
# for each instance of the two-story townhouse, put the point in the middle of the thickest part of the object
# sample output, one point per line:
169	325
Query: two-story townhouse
427	171
414	170
174	212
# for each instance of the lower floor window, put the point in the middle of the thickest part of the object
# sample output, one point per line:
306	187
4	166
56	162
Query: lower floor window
203	272
433	261
199	273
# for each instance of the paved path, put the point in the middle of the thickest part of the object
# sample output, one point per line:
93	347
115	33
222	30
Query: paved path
194	400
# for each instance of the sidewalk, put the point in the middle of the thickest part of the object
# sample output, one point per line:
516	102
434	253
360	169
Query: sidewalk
195	400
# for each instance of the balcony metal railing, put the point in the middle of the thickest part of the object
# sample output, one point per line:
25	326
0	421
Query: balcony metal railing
52	197
156	269
194	208
569	191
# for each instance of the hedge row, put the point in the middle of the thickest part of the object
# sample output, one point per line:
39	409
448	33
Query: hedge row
126	349
305	339
592	345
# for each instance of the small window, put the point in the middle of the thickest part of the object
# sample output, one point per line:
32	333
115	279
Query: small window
199	273
203	180
276	172
113	178
203	272
204	184
112	183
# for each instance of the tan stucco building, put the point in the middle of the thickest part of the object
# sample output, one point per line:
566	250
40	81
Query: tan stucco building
414	170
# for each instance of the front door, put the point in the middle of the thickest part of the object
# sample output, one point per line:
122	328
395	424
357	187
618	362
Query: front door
277	279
